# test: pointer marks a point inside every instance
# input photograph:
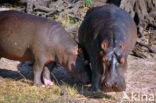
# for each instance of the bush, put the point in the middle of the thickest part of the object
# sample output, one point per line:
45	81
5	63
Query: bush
87	2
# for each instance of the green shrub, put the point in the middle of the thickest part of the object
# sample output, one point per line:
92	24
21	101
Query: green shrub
87	2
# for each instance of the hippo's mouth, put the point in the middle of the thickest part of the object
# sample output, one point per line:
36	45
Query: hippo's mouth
112	89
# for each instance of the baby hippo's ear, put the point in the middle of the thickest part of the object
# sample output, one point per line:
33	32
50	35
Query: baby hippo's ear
80	51
75	51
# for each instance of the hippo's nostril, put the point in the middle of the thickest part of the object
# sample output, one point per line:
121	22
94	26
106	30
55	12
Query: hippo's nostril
116	85
108	84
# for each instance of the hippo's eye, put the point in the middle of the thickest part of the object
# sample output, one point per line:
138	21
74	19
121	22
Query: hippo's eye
122	60
104	60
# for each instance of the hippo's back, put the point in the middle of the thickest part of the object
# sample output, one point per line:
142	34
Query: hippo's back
108	22
16	21
20	32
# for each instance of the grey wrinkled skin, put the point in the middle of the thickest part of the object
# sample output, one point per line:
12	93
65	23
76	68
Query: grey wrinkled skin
116	30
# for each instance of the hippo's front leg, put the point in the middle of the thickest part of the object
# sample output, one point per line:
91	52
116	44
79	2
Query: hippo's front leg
95	77
37	68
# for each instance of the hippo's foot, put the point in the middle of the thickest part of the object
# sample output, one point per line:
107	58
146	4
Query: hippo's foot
84	78
93	89
47	82
39	84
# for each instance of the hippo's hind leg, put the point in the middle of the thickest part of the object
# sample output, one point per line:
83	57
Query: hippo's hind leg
46	74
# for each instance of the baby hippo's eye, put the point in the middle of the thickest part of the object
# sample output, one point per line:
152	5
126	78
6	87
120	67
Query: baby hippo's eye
101	53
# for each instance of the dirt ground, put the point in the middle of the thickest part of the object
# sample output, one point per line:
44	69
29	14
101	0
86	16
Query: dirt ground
141	74
140	77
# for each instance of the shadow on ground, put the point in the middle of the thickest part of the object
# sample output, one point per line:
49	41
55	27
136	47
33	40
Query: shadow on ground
24	71
59	75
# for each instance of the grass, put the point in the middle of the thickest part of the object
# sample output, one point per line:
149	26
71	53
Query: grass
23	91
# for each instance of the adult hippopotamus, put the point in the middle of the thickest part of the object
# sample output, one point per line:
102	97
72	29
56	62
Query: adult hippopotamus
107	35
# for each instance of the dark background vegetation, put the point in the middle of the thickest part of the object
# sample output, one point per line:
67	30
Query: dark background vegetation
71	12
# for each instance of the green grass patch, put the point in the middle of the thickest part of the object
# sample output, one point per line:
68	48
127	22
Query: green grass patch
24	92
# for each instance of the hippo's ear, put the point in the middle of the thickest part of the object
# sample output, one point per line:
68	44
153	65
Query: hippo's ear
122	46
104	45
80	51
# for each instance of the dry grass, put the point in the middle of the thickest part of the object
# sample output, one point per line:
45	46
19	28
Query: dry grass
23	91
12	91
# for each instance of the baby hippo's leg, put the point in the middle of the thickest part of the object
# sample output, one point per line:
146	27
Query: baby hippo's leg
46	76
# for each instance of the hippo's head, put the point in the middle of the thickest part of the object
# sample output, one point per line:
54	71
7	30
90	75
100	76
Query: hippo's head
83	70
114	65
79	67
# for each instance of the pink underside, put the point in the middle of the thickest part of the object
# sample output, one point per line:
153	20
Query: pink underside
47	82
43	85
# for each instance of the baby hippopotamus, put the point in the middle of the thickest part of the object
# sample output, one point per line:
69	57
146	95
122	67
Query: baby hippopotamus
107	35
26	37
